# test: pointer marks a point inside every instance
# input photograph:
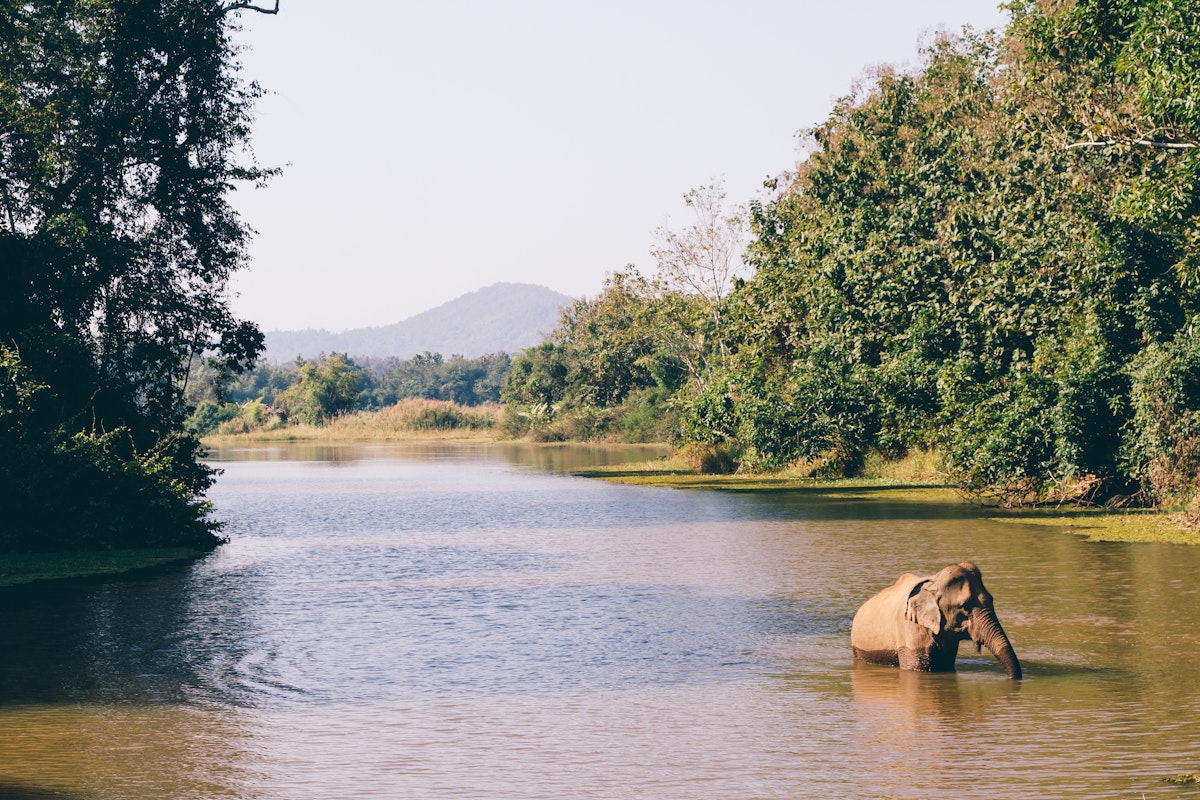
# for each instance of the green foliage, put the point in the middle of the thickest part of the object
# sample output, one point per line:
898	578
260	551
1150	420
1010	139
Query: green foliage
207	381
1184	779
323	389
468	381
538	377
992	256
208	416
648	415
612	367
1164	450
610	341
122	126
711	417
384	382
64	490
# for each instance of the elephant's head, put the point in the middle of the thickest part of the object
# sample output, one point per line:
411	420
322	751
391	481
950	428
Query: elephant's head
955	605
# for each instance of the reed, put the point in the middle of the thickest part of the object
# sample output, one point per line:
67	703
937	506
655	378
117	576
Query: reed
410	419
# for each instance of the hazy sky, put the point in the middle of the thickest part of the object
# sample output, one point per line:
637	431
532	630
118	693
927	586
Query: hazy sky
438	146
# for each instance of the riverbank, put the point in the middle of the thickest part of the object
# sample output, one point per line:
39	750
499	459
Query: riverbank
409	420
914	479
23	568
323	435
1093	524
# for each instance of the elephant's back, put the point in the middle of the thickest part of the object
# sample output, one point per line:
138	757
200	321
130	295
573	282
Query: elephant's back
876	623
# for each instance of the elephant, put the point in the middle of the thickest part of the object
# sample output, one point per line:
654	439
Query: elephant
917	622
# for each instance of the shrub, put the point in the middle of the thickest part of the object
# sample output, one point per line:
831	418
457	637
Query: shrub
208	416
1163	450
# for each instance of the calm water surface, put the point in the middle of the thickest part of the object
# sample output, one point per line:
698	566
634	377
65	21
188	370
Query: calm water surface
465	621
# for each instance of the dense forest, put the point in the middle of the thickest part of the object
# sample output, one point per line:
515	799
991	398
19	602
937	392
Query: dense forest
993	257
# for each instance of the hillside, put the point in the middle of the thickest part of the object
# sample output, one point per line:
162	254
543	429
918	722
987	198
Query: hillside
502	317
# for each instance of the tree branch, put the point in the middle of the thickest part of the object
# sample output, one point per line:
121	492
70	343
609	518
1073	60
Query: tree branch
1136	142
250	7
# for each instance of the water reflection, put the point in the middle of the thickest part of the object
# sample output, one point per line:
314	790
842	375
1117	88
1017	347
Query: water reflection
452	620
15	791
568	458
98	752
904	702
546	457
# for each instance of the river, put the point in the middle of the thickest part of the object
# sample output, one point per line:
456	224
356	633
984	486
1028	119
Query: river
462	621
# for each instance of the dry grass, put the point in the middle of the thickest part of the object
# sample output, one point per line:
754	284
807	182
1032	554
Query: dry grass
918	466
408	420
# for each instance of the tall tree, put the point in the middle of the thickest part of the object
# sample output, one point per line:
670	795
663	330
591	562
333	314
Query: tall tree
124	125
704	259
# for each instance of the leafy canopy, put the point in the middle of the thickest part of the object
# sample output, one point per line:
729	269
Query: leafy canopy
124	125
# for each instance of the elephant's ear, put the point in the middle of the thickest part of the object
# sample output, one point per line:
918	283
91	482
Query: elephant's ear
923	608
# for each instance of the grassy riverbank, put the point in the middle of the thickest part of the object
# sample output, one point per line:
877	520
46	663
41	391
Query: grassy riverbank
910	482
408	420
22	568
914	479
903	482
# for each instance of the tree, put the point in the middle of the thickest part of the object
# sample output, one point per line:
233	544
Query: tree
947	270
705	258
323	389
122	128
611	347
460	380
1115	83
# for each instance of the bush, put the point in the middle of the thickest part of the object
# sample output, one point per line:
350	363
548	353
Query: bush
712	459
437	415
323	389
208	416
1164	448
83	490
648	415
416	415
118	497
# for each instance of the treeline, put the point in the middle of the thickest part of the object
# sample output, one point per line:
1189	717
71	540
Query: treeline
994	256
315	391
618	366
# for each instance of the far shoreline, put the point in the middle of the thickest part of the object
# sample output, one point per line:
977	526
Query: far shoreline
668	471
671	471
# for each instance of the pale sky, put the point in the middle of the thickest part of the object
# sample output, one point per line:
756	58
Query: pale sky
438	146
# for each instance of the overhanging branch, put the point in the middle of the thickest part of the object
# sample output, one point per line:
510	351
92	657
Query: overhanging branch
1136	143
250	7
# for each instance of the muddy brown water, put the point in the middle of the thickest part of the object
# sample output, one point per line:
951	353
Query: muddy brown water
445	621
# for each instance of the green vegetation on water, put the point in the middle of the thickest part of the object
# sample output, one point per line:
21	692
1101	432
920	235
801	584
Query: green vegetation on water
22	568
1094	524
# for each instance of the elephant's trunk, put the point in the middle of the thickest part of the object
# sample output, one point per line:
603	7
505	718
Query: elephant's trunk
985	630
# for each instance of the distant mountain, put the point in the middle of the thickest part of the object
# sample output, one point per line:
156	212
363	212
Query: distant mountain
503	317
